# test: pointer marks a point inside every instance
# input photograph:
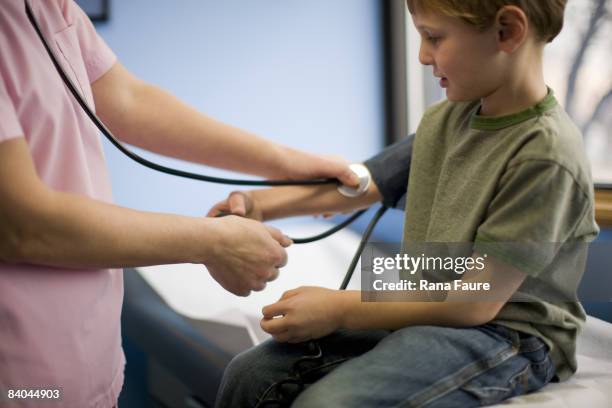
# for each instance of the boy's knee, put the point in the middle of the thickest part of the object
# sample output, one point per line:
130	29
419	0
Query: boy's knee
249	374
235	379
322	395
312	398
234	369
254	359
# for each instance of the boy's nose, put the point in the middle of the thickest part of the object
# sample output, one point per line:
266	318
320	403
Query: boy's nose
425	57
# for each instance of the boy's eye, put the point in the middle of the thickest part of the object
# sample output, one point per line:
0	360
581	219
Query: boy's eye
431	38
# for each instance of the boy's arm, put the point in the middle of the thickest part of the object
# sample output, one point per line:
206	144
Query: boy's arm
389	169
283	202
311	312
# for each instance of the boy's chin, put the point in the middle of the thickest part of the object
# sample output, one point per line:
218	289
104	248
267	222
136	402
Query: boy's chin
454	97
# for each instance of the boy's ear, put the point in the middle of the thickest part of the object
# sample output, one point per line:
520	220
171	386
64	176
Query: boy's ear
512	27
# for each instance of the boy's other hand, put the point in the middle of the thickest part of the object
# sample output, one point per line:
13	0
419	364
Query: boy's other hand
303	314
240	203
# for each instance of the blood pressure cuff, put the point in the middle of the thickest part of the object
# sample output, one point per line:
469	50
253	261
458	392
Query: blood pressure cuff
390	169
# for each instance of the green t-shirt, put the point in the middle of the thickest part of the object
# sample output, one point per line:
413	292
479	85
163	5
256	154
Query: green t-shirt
521	178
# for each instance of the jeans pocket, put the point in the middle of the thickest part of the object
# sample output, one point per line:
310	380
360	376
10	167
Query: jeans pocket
544	370
503	333
491	387
488	395
537	352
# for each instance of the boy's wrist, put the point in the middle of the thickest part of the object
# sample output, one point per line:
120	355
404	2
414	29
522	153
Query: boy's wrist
345	302
262	201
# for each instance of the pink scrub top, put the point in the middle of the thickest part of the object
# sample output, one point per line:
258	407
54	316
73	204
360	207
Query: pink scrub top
59	328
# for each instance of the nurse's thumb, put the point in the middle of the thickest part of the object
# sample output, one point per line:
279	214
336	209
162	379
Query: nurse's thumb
281	238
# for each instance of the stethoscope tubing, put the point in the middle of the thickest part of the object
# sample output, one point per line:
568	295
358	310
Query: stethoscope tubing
201	177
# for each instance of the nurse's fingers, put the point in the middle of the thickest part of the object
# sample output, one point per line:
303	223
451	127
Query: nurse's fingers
282	239
273	275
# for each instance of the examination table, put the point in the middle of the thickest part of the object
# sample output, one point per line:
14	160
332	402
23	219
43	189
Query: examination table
190	328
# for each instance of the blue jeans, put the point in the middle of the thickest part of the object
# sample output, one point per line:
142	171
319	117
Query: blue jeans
419	366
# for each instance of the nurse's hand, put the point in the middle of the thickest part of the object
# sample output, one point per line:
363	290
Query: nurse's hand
244	254
300	165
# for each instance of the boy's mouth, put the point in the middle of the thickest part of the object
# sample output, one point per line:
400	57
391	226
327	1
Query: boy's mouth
444	82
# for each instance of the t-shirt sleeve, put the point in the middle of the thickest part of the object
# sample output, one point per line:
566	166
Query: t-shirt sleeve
537	207
97	55
390	170
9	123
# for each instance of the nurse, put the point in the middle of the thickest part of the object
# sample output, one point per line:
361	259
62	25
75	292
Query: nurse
61	238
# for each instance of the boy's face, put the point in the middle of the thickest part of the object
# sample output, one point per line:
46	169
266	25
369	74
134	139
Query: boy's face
466	60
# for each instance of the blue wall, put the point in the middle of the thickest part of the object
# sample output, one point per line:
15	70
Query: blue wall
303	73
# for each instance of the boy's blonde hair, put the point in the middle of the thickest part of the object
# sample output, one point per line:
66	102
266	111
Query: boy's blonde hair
546	16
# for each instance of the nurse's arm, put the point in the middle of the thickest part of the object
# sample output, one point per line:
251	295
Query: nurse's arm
42	226
146	116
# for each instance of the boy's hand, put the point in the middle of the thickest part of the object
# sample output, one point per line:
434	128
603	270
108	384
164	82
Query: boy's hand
303	314
240	203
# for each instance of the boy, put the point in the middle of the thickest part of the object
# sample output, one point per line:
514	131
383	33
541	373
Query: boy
498	162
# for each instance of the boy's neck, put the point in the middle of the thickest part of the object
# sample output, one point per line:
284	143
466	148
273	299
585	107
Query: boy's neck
524	89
